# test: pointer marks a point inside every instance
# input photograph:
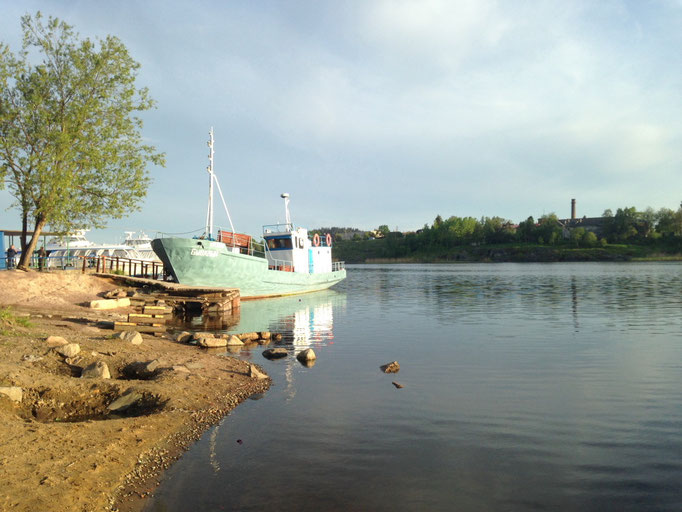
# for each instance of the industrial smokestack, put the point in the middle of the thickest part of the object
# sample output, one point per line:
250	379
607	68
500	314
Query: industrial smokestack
572	208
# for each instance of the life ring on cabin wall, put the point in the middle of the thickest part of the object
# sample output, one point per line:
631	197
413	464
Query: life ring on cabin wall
316	240
328	239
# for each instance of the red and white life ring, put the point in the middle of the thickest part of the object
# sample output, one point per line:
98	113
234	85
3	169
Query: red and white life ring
328	240
316	240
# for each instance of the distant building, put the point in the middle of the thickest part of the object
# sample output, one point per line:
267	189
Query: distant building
593	224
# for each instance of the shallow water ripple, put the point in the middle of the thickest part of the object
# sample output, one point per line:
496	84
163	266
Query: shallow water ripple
526	387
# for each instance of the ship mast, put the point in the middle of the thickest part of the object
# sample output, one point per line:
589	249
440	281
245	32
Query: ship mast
211	180
209	213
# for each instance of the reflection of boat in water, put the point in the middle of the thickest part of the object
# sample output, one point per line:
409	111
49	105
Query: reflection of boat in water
304	321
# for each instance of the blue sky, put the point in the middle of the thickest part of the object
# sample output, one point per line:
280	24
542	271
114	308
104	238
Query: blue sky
378	112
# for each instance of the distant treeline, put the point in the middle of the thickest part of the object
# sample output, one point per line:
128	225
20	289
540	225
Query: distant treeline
660	229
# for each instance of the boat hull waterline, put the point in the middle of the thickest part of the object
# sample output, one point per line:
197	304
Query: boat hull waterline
196	262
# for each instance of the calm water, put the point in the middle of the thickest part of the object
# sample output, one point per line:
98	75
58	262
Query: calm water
526	387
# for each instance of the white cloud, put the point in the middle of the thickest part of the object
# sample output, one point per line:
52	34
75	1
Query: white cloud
469	107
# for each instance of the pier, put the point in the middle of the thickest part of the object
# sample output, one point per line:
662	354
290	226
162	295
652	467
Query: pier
177	300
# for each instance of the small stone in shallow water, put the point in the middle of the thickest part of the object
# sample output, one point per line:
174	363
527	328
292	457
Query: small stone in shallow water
234	341
392	367
399	386
306	355
275	353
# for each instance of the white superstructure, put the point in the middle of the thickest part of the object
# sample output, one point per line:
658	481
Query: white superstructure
288	247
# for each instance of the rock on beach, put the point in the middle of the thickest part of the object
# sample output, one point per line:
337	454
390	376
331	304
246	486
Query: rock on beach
110	303
125	401
211	342
255	373
183	337
13	392
96	370
68	350
55	341
133	337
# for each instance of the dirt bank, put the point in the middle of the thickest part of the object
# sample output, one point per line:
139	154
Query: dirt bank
62	449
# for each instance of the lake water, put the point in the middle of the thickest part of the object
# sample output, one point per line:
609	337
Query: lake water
526	387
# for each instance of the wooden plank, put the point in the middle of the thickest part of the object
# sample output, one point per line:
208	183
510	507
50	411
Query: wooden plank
146	319
157	310
127	326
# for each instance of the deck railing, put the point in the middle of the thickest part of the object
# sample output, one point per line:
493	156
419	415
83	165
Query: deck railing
124	266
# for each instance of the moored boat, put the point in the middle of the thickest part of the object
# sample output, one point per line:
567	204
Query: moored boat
286	262
68	250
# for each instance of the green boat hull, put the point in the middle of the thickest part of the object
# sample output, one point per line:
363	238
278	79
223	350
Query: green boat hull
207	263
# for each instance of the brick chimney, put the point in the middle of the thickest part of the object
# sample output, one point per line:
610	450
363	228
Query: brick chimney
572	208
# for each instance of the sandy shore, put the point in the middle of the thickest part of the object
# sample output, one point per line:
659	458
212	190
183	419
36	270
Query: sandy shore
61	449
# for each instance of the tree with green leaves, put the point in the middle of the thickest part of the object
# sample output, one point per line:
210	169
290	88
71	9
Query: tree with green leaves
526	230
383	230
577	235
590	239
549	228
71	149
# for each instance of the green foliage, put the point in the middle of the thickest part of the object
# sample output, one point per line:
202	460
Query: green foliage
8	321
383	229
669	222
633	235
71	149
526	230
577	235
590	239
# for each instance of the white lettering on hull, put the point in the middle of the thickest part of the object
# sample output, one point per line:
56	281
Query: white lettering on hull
204	252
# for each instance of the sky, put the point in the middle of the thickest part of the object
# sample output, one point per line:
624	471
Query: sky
392	112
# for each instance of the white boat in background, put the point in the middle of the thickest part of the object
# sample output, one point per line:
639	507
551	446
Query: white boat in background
141	245
75	240
69	249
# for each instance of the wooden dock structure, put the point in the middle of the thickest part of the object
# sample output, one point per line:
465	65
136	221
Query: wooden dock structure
165	300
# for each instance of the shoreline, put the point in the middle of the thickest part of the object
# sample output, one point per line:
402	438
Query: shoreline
408	261
63	449
377	251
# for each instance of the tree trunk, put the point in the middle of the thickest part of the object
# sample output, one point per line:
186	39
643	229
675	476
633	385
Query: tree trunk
26	254
24	230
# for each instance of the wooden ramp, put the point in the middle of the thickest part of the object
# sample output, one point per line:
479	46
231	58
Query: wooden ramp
175	299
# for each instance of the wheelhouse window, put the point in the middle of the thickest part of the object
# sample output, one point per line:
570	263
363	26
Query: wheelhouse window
276	244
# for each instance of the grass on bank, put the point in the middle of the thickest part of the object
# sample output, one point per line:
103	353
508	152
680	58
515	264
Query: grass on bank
9	321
